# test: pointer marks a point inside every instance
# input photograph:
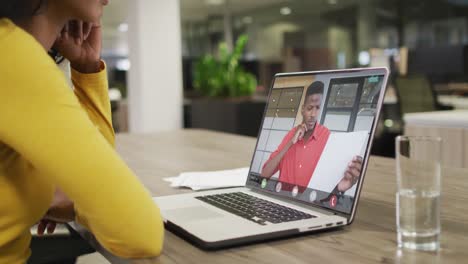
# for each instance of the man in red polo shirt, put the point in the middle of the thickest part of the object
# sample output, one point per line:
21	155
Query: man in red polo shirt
299	152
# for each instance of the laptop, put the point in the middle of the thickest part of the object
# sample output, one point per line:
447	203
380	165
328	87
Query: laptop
307	168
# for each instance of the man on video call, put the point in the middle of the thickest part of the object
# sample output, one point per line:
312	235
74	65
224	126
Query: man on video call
299	152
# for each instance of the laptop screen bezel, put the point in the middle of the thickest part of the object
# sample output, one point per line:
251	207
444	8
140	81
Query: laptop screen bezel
372	71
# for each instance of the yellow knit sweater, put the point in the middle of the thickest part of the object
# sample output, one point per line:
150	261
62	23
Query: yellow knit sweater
51	136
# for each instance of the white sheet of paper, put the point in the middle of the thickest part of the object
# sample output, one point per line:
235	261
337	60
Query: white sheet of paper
203	180
340	149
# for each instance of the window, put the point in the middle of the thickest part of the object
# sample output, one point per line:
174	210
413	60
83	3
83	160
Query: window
351	104
341	105
279	120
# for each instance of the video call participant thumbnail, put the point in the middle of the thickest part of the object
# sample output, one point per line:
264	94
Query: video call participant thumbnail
299	152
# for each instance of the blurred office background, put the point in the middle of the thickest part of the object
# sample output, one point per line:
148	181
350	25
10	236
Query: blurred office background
152	49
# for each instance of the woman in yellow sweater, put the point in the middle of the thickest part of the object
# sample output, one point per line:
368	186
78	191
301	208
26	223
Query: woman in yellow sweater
54	138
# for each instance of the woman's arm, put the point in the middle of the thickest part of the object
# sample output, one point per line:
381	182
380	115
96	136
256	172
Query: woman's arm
81	42
92	91
43	121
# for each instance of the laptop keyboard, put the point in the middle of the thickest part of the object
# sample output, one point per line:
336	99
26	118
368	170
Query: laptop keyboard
254	209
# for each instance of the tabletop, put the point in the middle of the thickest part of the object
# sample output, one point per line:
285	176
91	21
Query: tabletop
370	239
451	118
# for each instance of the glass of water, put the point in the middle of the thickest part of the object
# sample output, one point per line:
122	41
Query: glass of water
418	192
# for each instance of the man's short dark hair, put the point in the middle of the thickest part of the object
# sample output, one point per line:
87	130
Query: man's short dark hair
315	88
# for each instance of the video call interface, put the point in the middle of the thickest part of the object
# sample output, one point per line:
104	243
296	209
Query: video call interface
314	137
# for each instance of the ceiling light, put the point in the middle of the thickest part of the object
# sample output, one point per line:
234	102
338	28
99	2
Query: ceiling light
333	2
364	58
285	11
214	2
123	27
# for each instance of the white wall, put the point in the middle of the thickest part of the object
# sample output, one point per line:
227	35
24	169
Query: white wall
155	76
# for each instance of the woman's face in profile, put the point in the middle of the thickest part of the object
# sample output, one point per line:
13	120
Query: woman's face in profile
84	10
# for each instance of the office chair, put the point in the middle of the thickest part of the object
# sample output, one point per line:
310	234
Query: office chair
62	247
415	94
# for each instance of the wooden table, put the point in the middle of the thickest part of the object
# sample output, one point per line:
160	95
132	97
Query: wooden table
458	102
370	239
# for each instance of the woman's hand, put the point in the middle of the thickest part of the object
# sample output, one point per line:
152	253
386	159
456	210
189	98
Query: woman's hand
80	43
61	210
44	225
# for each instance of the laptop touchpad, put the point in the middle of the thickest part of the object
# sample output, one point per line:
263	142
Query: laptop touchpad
194	213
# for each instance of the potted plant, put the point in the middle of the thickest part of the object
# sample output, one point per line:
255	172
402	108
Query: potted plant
224	76
226	89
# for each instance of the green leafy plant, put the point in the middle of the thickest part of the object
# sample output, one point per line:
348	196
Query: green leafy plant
224	76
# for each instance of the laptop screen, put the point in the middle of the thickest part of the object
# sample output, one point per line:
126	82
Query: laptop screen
315	135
